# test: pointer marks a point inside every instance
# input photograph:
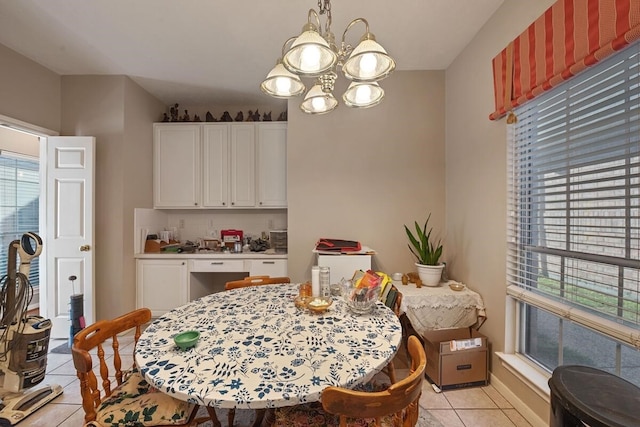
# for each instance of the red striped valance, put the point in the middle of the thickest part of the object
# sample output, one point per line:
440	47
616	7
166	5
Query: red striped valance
570	36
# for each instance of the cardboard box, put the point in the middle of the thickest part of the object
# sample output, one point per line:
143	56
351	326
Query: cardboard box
456	357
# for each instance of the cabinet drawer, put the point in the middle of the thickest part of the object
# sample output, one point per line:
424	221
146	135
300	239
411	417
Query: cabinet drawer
273	268
218	265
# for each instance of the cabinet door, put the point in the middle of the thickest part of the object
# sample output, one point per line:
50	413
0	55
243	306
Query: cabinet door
271	152
176	165
161	285
243	188
343	266
267	267
215	166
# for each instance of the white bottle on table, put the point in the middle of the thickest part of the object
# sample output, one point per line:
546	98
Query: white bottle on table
325	282
315	281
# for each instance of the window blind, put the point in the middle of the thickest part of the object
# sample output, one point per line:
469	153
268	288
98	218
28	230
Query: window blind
19	205
573	195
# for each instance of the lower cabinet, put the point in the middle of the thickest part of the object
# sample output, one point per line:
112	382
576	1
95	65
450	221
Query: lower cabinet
343	266
161	285
164	284
266	267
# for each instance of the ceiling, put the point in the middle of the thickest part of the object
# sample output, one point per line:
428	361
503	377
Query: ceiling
217	52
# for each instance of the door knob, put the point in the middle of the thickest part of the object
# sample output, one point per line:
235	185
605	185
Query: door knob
85	248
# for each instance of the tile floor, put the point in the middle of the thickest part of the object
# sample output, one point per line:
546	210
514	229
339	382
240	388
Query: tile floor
467	407
470	407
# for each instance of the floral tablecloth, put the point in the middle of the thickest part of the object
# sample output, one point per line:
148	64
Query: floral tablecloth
439	307
257	350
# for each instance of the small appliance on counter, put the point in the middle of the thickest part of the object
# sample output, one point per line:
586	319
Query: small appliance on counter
210	244
230	237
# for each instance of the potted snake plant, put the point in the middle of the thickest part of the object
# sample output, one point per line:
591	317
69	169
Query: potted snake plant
427	253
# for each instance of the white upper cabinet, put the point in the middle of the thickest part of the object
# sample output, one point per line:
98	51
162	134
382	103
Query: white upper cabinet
220	165
271	147
216	166
243	165
176	165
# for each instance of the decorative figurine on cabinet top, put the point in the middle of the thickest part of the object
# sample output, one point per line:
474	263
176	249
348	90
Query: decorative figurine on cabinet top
251	116
174	113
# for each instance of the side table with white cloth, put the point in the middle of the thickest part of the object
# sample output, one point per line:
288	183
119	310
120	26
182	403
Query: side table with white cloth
440	307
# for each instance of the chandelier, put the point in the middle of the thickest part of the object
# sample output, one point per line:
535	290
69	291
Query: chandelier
314	54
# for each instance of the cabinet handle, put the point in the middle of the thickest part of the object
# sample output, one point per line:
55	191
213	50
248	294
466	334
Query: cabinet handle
268	262
224	203
260	203
233	203
195	204
182	262
217	263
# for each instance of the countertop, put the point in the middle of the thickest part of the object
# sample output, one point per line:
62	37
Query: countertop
209	255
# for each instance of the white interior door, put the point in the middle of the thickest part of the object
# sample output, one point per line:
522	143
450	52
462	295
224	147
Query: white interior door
68	243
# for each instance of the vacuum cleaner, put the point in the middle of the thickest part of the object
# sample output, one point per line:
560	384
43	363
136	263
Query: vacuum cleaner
24	339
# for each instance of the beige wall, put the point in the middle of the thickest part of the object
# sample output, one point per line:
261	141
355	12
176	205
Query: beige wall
19	142
119	114
141	110
29	92
362	174
476	177
358	174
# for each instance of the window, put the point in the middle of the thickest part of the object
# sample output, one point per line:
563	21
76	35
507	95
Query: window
573	264
19	201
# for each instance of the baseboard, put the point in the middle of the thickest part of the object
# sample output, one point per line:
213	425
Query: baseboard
518	404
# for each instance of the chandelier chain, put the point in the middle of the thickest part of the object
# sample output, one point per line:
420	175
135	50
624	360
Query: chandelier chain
324	7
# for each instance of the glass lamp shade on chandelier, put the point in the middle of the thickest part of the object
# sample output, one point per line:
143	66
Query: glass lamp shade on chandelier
314	54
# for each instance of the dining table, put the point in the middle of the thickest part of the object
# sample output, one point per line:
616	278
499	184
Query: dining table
258	350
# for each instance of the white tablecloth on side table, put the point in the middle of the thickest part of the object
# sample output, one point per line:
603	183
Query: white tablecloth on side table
440	307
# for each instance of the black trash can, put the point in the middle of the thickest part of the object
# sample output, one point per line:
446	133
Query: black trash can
583	395
76	315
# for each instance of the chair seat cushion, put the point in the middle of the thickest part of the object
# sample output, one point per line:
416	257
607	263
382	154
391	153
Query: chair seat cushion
136	404
312	415
305	415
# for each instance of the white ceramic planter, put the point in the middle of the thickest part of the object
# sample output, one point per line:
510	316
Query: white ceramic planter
430	274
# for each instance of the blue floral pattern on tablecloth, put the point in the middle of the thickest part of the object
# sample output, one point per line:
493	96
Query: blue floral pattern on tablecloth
257	350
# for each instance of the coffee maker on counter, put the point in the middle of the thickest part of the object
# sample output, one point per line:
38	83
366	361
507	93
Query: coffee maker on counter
232	240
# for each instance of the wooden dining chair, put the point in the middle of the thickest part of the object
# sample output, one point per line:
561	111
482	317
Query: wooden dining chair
396	406
393	301
131	400
255	281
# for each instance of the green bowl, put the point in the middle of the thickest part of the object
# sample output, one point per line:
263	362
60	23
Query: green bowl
187	339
